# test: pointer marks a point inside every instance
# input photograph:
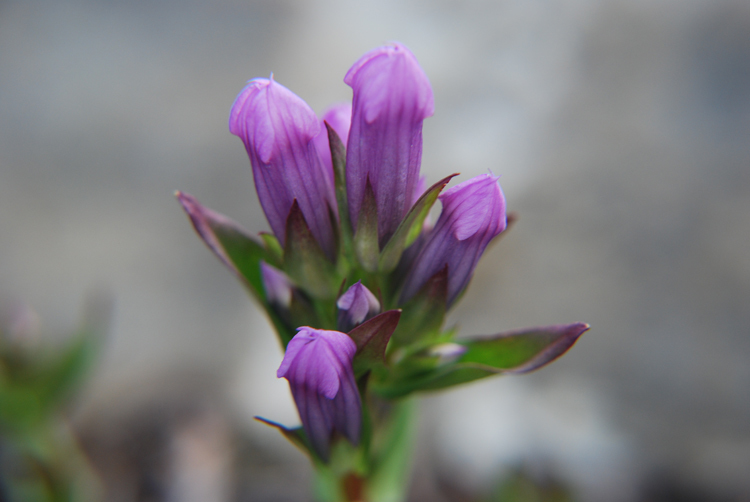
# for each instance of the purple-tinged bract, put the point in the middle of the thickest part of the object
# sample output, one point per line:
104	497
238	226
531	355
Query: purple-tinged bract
278	128
318	366
473	214
338	116
392	96
356	306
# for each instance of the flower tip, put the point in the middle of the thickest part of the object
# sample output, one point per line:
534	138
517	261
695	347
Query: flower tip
582	327
188	202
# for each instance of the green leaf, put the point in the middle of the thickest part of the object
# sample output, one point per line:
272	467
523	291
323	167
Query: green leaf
505	353
372	339
296	436
234	247
304	260
338	157
34	384
423	315
366	238
410	227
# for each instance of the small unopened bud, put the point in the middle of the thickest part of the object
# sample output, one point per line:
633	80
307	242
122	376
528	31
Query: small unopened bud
356	306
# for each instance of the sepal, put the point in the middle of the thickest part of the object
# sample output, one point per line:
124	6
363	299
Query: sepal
424	314
295	435
366	238
410	227
233	246
304	260
338	159
372	339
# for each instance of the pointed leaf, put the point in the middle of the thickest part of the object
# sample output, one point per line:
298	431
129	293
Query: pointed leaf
296	436
304	260
524	350
234	247
372	339
411	226
338	157
366	237
423	315
505	353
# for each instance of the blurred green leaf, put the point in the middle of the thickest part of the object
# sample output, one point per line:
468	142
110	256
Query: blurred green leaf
519	486
274	248
34	384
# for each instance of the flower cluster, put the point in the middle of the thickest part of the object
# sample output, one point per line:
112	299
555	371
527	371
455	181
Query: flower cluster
355	282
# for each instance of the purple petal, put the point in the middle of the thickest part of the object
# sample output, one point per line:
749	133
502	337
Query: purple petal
348	410
356	306
473	214
316	414
318	366
392	96
277	128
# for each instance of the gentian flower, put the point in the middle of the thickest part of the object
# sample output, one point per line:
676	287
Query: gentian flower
356	306
318	366
278	128
277	285
338	116
392	96
473	214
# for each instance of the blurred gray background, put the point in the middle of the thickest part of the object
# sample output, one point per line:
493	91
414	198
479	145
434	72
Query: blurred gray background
620	129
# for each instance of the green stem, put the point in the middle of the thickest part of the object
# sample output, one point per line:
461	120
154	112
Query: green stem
375	472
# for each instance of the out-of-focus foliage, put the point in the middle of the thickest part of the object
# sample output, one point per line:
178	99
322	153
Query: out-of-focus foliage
520	486
39	458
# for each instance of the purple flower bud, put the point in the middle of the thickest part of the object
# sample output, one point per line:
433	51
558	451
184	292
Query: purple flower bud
473	213
392	97
277	285
318	366
356	306
338	116
278	128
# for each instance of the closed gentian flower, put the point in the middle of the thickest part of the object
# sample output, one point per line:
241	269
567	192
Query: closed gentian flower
278	128
392	96
318	366
356	306
473	214
339	117
277	285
